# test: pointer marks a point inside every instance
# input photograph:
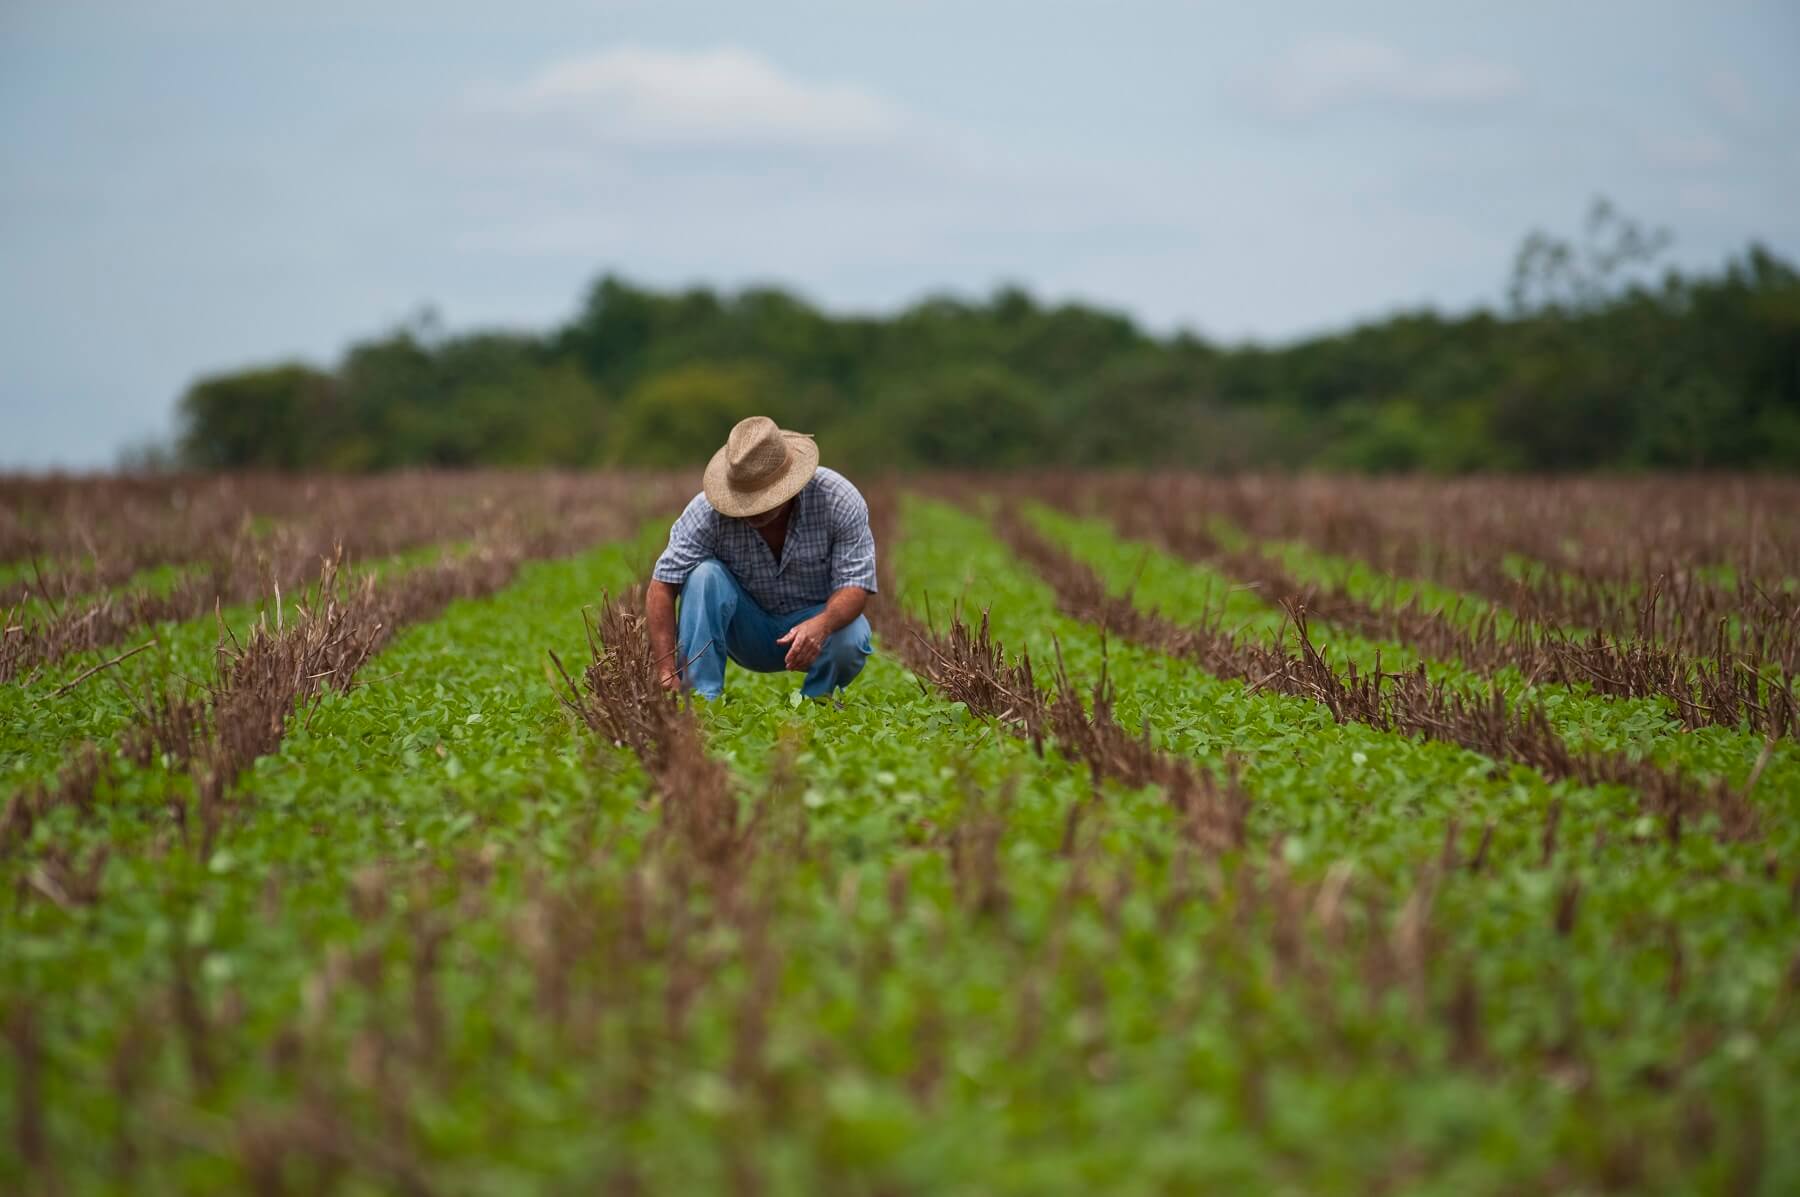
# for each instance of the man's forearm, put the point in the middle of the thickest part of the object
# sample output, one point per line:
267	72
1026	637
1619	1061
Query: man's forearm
659	616
842	608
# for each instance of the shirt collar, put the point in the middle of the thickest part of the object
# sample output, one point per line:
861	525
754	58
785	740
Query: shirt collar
802	504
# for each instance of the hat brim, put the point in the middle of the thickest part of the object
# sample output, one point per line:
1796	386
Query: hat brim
803	463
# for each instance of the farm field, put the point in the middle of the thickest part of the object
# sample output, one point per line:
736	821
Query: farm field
1309	835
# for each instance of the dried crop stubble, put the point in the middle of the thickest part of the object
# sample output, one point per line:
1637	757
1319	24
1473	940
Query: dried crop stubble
1721	683
1636	727
622	699
120	524
1564	918
353	858
231	561
1293	985
1600	530
967	666
1657	588
626	946
1407	703
263	681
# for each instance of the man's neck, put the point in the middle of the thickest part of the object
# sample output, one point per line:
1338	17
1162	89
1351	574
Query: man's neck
774	533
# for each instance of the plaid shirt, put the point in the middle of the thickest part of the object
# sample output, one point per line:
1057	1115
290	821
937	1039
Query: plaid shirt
828	547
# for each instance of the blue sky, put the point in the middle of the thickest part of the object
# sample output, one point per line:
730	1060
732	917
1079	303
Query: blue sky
190	187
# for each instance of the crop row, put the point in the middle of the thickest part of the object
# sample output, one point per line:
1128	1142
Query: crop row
1646	727
217	542
959	927
1409	702
1533	552
271	675
189	942
1592	885
1593	529
1726	686
59	536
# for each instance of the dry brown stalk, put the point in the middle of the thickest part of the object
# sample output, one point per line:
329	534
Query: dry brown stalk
966	665
25	1038
622	699
232	561
75	786
281	668
1712	680
1407	703
625	956
85	674
1621	555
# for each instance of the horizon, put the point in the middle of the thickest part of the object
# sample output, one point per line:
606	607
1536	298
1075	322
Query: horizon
1492	305
187	199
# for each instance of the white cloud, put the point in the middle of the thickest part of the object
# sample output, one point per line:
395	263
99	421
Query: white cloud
1729	94
1342	71
1685	151
723	96
1704	197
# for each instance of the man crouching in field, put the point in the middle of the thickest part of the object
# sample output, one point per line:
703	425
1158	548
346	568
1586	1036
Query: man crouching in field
772	561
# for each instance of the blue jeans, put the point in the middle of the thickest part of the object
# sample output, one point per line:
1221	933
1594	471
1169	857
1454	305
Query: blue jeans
717	615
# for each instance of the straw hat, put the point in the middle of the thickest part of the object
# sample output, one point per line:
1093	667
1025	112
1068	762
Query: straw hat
760	468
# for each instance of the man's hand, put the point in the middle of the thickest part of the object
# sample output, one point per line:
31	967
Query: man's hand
671	680
805	640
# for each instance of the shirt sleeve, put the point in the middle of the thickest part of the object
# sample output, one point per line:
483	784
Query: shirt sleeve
692	540
852	542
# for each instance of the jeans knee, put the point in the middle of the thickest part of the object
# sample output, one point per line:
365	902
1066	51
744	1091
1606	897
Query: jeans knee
709	575
710	587
850	647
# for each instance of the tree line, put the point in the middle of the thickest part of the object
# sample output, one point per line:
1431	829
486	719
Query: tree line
1594	362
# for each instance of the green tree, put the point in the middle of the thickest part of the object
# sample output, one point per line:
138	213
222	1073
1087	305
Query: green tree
268	418
683	416
533	415
974	416
1594	365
